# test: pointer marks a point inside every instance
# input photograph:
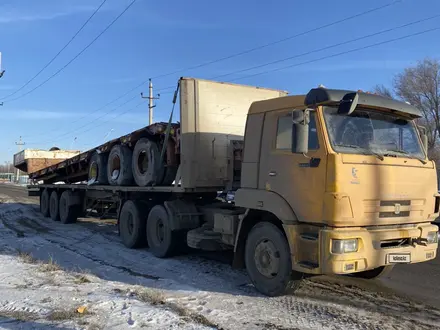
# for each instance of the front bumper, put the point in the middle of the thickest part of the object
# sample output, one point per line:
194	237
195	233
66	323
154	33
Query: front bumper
375	245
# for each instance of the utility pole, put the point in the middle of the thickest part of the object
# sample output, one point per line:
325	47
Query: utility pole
19	144
150	103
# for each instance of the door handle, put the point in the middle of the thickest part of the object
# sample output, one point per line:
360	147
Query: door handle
272	173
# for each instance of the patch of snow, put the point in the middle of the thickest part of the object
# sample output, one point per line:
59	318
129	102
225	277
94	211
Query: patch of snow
192	284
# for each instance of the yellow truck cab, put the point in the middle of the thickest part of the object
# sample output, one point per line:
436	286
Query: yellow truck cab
343	177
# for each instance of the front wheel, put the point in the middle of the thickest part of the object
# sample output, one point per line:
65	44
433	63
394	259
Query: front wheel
268	261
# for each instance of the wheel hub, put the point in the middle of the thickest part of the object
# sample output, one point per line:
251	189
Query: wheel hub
267	258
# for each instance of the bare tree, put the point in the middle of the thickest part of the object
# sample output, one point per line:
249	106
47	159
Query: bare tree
383	91
420	86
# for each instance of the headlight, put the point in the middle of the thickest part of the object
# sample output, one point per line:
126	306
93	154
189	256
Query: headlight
340	246
432	237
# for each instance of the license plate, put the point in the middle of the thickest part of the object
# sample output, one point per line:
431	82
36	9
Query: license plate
399	258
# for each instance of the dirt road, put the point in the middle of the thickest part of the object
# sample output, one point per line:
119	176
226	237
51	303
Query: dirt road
223	297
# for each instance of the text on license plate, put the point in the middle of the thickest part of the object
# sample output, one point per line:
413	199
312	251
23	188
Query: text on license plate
395	258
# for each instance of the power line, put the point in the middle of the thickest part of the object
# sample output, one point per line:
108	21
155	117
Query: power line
341	53
76	56
105	121
335	55
260	47
59	52
328	47
91	122
280	40
248	51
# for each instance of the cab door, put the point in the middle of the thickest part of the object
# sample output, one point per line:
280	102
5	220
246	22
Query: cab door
298	178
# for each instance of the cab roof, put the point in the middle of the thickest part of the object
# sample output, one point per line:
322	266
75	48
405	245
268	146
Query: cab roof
324	96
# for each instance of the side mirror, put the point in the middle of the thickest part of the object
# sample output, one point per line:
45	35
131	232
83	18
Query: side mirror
424	138
300	131
348	103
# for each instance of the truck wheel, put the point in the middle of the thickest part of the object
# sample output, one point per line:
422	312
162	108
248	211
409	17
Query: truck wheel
147	169
268	261
119	172
68	211
44	203
54	206
374	273
132	225
98	169
161	239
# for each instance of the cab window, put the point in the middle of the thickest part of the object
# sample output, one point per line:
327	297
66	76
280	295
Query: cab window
284	133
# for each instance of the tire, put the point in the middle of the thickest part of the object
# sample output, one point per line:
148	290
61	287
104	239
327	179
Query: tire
146	166
119	171
274	278
170	175
68	211
98	169
161	239
379	272
132	225
44	203
54	206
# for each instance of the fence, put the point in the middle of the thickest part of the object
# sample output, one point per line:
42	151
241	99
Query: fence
12	178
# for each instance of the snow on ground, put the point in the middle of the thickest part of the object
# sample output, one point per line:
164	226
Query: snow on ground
48	270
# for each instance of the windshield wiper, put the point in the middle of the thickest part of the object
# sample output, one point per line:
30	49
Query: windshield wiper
364	152
406	153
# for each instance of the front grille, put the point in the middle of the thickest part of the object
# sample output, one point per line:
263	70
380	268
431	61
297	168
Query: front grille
393	214
392	203
393	243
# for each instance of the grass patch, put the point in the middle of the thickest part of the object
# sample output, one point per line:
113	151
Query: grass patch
81	279
50	266
155	297
22	316
65	314
26	257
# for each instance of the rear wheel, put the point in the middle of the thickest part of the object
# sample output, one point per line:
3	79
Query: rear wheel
69	212
161	239
44	203
132	222
268	261
379	272
54	206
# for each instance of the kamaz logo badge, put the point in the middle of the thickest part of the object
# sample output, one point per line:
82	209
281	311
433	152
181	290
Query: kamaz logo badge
397	208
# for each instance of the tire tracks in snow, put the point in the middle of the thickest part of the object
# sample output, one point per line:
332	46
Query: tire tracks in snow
317	305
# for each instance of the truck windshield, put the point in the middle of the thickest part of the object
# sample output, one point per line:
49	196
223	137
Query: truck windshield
372	132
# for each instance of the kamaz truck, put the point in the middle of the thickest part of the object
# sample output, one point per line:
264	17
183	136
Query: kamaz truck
330	182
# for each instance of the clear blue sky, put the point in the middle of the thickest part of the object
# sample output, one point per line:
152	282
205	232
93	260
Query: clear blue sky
157	37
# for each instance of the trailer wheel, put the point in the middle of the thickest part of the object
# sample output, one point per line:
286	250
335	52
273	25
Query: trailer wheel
132	222
98	168
161	239
69	212
147	169
54	206
268	261
374	273
119	171
45	203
